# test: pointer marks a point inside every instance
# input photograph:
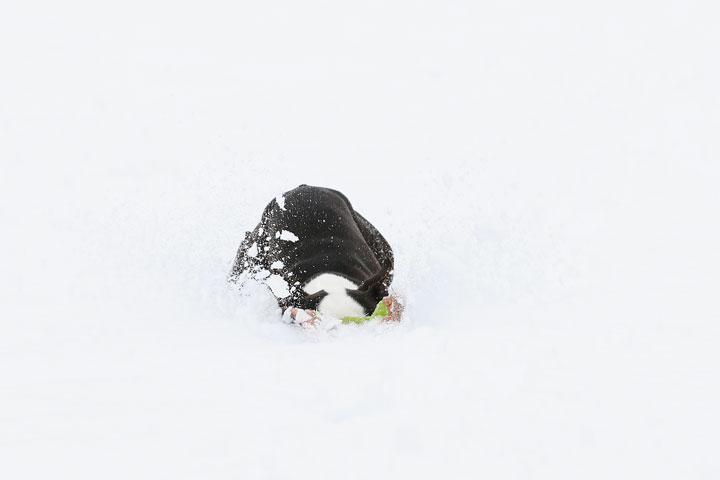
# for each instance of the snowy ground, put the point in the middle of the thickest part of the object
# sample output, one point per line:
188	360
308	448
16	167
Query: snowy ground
548	177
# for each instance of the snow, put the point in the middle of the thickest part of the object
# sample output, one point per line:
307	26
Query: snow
280	200
288	236
278	286
547	175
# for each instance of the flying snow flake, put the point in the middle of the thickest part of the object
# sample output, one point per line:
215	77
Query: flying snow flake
278	286
288	236
280	199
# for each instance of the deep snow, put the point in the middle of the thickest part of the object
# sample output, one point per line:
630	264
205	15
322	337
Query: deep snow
546	175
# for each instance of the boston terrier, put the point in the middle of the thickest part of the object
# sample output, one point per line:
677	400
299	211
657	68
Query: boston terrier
317	253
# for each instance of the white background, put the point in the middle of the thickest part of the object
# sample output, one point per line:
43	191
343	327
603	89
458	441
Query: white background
547	175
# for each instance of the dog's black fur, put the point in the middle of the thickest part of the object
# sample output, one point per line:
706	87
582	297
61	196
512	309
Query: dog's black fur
332	238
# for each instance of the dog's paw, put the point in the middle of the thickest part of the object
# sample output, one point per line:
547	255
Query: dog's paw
395	307
307	319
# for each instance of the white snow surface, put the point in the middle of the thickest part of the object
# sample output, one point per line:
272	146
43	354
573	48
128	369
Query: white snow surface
546	173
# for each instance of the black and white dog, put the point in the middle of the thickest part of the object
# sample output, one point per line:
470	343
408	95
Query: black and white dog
315	252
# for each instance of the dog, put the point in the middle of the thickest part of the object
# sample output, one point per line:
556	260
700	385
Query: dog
316	253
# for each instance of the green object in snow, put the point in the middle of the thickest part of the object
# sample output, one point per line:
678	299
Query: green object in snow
381	311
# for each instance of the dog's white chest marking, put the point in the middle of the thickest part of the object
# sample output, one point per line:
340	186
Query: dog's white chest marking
337	302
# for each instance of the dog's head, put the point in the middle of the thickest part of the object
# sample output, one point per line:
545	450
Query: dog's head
329	293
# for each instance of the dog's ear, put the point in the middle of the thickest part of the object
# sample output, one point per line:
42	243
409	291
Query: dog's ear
374	289
382	277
